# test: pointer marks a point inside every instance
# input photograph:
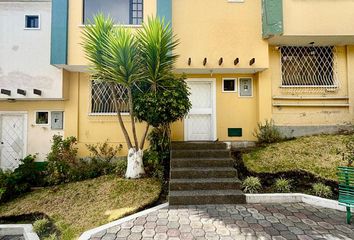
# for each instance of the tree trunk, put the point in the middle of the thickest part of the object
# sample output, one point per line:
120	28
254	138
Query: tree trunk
135	168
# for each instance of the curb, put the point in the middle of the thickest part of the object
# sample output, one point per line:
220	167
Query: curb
88	234
18	229
293	198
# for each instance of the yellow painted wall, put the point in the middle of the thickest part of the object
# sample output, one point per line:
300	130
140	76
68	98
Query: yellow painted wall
314	17
232	111
75	51
218	28
298	116
92	129
38	137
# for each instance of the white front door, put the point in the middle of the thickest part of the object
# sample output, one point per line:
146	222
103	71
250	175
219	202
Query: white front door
12	139
200	122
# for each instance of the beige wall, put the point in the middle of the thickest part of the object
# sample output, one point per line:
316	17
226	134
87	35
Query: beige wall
313	116
75	52
314	17
38	137
218	28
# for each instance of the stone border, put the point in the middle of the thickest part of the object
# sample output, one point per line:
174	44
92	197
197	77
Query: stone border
86	235
293	198
18	229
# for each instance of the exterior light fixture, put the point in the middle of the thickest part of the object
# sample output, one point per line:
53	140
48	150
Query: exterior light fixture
205	61
189	61
236	61
221	60
37	92
6	92
21	92
252	61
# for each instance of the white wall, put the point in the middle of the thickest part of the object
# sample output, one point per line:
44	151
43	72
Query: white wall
25	54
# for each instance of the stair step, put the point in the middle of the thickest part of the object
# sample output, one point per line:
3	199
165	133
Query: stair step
216	153
198	197
201	162
216	172
198	145
205	184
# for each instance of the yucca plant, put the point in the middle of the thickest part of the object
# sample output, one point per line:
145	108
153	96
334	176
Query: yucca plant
142	63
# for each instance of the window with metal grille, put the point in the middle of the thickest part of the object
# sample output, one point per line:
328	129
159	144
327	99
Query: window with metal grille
308	66
122	11
102	100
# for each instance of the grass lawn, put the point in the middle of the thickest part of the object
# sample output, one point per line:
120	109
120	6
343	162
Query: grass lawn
319	155
77	207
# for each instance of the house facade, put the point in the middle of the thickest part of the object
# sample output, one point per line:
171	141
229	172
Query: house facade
246	61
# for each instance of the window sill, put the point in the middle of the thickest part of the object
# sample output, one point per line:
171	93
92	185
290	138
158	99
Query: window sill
117	25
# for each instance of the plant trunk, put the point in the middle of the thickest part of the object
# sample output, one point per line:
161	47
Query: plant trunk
131	109
120	120
135	168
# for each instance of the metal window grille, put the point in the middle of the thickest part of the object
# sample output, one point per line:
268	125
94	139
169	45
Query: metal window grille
102	100
308	66
136	12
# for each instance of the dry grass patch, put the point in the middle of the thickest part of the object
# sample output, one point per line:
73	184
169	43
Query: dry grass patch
77	207
320	155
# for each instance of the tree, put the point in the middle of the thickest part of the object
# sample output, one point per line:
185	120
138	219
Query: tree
113	54
143	65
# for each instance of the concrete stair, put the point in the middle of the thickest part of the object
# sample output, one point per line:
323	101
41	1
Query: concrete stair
203	173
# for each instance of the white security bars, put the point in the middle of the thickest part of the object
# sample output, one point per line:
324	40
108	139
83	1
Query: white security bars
308	67
102	101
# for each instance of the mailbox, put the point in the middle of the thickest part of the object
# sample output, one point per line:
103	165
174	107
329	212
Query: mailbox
57	120
246	87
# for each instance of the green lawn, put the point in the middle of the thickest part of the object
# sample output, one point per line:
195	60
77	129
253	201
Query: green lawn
77	207
319	155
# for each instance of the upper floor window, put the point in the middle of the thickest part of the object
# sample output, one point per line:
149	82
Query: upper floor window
122	11
32	22
308	66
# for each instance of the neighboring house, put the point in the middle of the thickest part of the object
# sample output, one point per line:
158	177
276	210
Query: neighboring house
32	90
246	62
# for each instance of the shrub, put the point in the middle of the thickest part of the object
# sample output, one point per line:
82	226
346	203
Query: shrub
152	163
61	160
252	185
19	181
282	185
103	151
321	190
267	133
41	226
121	167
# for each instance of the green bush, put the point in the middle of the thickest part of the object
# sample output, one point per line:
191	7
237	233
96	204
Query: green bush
267	133
19	181
252	185
121	167
42	226
103	151
152	163
321	190
62	160
52	236
282	185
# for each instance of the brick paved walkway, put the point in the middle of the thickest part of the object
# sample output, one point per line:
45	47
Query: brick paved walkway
252	221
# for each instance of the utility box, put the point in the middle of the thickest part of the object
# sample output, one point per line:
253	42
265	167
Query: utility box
57	120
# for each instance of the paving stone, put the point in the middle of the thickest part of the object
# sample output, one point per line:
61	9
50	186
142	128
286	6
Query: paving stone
242	223
309	222
296	230
173	233
278	238
272	219
150	225
109	236
288	235
127	225
250	220
99	234
173	225
304	237
148	233
114	229
137	229
162	221
123	233
135	236
161	229
198	232
160	236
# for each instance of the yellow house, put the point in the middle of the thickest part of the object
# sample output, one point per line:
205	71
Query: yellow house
246	61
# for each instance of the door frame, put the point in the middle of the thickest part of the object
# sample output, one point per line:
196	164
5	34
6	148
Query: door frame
25	127
213	102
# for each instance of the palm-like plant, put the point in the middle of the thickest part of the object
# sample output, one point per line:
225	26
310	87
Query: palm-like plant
141	61
114	56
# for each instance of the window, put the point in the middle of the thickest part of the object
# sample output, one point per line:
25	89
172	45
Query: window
32	22
229	85
308	66
42	118
246	88
122	11
102	101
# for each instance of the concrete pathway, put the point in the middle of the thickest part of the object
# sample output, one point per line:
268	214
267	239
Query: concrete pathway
252	221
